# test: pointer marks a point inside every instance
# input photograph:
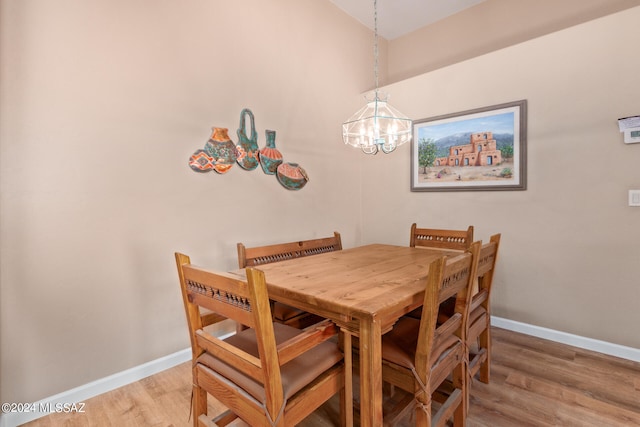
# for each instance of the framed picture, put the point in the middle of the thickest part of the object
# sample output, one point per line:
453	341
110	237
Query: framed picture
475	150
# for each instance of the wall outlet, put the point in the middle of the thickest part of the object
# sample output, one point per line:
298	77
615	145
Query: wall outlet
634	197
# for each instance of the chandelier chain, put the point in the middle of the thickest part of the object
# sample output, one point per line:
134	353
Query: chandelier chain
377	126
375	44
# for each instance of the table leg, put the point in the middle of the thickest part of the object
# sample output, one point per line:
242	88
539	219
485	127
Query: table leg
347	401
370	373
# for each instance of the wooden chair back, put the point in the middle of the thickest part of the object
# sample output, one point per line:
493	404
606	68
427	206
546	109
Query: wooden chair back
197	317
479	329
247	302
453	278
250	257
230	298
486	267
259	255
439	238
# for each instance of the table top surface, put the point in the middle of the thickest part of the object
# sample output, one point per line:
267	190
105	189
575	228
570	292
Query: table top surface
367	281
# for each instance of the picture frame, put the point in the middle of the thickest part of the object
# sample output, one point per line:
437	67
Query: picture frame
483	149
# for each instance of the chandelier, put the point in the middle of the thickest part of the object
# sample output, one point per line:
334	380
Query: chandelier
376	126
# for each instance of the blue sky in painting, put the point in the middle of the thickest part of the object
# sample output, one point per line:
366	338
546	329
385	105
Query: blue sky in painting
498	123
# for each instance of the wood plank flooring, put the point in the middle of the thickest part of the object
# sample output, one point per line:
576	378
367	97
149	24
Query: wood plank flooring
534	382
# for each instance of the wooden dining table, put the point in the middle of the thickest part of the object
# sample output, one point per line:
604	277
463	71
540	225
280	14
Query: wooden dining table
364	290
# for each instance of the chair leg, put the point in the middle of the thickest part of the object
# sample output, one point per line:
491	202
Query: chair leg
346	394
423	412
224	419
466	392
388	388
240	327
461	382
199	404
459	416
485	342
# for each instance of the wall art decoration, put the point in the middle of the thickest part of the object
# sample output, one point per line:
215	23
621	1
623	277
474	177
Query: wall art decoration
248	151
220	153
222	149
270	157
481	149
200	161
292	176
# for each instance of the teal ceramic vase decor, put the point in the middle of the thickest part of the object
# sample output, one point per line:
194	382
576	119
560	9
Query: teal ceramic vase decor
292	176
270	157
248	152
221	150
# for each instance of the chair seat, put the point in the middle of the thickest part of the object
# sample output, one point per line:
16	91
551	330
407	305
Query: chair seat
399	345
295	374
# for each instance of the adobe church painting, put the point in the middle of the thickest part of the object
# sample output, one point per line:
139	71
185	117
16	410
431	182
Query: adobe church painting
480	151
476	149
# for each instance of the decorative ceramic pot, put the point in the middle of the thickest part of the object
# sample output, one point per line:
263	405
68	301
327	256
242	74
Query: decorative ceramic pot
200	161
292	176
221	149
248	152
270	157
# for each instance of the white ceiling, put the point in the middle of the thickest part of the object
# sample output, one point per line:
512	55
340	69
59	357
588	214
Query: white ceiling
399	17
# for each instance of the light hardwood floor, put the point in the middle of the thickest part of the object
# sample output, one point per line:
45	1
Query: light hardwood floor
534	382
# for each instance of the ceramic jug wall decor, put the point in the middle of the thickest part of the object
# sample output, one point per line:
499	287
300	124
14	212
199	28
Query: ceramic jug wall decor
292	176
201	161
221	150
248	152
270	157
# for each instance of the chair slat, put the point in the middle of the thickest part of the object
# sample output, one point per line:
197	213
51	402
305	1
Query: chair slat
478	299
248	257
441	238
231	355
311	337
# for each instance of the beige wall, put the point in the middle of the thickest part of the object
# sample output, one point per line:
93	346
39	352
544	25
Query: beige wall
486	27
570	252
102	104
103	101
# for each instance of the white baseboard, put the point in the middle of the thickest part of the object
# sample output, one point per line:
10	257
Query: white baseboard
604	347
92	389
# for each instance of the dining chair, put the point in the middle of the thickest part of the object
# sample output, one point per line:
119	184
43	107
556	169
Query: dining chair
447	239
269	374
418	356
441	238
255	256
479	329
